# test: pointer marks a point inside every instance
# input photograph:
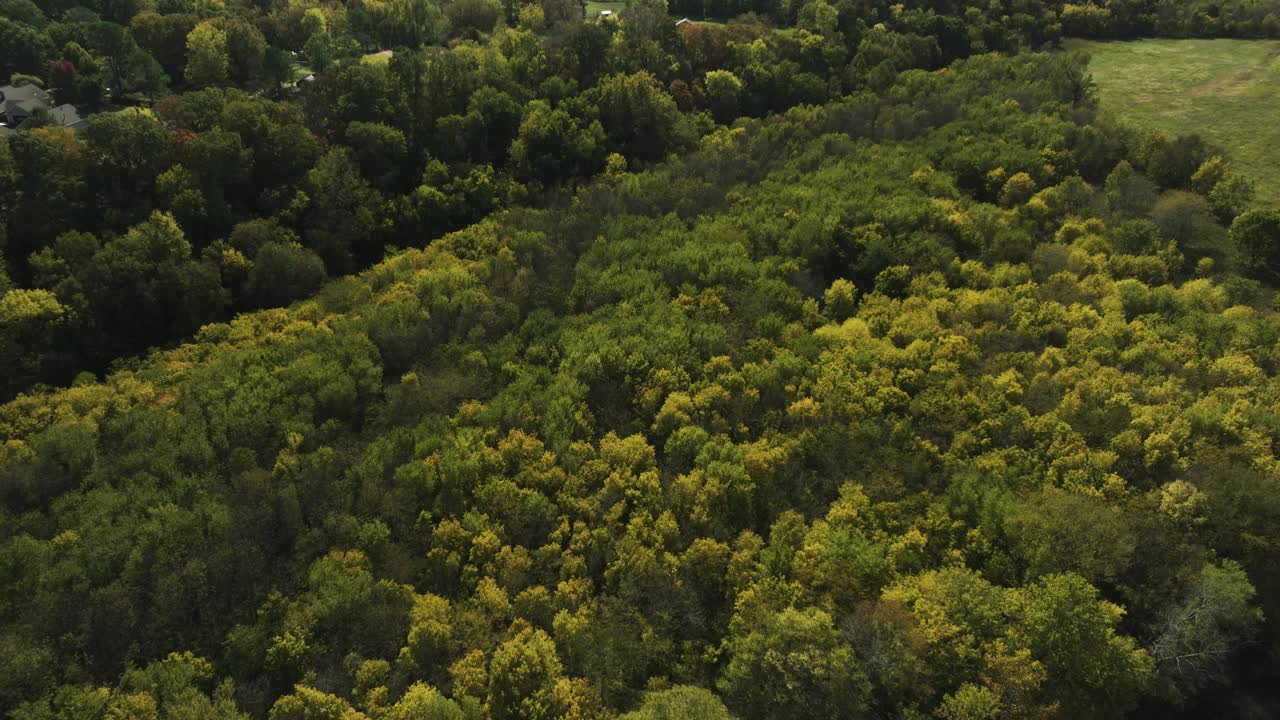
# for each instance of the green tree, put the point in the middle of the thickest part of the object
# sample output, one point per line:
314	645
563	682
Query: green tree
323	49
1231	196
1129	192
1172	163
472	19
1256	236
29	324
682	702
497	118
309	704
245	47
793	664
178	685
25	12
523	675
281	273
165	37
252	235
553	146
1017	190
208	61
1091	671
559	13
838	302
430	635
423	702
723	90
818	17
144	287
26	49
339	211
130	68
639	117
970	702
1200	631
1210	173
411	23
381	151
127	151
1055	531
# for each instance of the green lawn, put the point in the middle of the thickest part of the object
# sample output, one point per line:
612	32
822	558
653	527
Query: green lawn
297	71
1227	91
594	8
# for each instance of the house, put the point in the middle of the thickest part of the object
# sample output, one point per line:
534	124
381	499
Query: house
67	116
19	103
683	21
606	13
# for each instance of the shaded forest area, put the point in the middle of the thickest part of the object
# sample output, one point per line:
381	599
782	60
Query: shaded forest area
271	189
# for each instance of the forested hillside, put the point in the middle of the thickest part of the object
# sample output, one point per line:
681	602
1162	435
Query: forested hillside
408	119
294	142
942	401
471	360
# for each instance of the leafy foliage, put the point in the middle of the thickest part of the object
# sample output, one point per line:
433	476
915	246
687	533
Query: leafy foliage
846	370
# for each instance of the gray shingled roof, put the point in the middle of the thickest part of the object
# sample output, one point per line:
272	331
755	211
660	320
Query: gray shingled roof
23	93
22	101
67	116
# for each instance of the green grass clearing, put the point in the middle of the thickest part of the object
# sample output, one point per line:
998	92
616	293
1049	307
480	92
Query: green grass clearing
382	57
1227	91
594	8
297	71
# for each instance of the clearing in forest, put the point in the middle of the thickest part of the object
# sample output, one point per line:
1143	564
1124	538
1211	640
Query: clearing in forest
1227	91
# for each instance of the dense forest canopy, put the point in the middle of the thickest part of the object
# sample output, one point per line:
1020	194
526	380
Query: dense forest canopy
841	360
292	142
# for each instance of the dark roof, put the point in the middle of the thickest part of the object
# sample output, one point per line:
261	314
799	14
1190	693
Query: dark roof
29	106
22	100
67	116
19	103
23	93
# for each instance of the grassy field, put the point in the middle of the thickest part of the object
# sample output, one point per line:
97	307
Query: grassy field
594	8
1227	91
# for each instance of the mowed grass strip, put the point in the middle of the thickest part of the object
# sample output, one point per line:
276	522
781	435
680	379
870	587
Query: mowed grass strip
1227	91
